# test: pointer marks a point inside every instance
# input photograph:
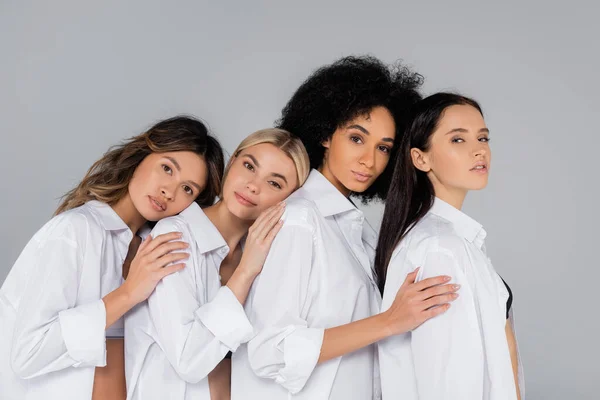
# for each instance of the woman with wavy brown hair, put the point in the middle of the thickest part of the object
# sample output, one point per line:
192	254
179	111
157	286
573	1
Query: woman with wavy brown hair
66	294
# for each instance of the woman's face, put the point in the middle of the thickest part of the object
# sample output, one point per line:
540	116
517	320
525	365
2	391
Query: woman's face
164	184
259	177
459	155
357	153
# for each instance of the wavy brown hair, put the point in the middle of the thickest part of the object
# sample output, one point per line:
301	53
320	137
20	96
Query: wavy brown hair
108	179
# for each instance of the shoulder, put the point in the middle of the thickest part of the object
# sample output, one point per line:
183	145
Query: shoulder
71	225
433	234
300	212
171	224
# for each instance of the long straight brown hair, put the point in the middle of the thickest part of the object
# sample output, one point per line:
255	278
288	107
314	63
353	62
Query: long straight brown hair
108	179
411	193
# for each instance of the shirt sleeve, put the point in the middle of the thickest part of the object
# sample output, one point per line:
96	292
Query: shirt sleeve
52	332
448	350
285	348
195	337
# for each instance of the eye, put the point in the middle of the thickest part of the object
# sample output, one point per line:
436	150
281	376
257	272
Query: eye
457	140
356	139
188	190
167	169
275	184
484	139
248	166
384	149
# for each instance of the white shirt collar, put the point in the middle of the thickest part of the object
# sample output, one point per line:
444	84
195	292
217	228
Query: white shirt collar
465	226
109	219
328	199
207	235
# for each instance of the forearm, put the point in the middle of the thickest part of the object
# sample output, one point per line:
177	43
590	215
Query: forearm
347	338
240	283
512	346
117	303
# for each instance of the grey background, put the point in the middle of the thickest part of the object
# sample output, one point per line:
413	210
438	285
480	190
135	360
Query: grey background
76	77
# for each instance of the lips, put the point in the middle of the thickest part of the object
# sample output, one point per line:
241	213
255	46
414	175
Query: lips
243	200
480	167
361	176
157	205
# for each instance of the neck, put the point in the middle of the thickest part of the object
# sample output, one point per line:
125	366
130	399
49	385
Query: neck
129	214
455	197
229	226
326	172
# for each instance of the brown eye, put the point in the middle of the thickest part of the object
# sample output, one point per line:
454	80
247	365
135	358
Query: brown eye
384	149
248	166
188	190
275	184
167	169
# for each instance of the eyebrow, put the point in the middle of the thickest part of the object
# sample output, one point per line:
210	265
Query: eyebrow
366	132
275	174
254	160
463	130
174	161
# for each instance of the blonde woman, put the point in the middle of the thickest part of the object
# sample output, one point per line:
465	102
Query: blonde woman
178	342
65	295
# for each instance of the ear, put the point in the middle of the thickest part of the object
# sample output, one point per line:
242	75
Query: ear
420	160
326	143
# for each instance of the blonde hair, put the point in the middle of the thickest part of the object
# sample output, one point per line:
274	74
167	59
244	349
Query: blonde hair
108	179
284	141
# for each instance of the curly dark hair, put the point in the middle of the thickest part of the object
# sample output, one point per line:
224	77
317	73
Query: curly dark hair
335	94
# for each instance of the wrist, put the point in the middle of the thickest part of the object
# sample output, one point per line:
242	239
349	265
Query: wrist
384	323
124	295
246	273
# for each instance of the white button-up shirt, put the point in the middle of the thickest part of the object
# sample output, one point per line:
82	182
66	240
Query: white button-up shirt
52	330
190	322
317	275
463	353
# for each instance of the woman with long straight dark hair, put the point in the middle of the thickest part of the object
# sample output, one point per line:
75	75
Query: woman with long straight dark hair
469	352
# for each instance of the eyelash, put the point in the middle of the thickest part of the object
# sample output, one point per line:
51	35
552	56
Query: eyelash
248	166
485	140
188	190
383	149
275	184
167	169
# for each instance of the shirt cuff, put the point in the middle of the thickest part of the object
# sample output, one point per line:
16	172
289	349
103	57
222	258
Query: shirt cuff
225	318
301	351
82	330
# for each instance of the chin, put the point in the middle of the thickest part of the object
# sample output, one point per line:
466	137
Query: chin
357	187
478	185
240	211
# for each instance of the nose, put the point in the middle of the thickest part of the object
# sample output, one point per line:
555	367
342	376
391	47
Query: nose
167	193
367	158
253	187
480	150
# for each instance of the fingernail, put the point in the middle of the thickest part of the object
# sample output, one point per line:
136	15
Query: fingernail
454	295
455	287
447	278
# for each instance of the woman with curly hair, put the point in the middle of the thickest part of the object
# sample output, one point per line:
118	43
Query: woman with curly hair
315	306
65	294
